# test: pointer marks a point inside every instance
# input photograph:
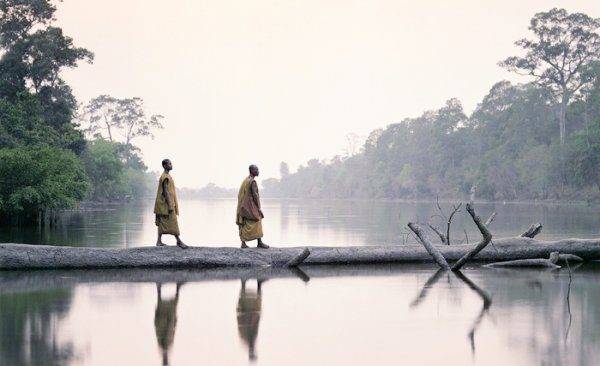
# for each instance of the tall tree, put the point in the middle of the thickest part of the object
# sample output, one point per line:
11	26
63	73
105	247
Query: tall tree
284	170
563	45
106	116
33	52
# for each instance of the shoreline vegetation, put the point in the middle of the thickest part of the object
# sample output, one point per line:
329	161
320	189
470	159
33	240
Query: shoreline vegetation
55	153
537	142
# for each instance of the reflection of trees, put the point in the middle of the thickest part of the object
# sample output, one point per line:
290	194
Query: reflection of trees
106	225
29	323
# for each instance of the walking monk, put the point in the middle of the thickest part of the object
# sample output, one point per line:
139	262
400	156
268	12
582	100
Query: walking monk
166	207
249	213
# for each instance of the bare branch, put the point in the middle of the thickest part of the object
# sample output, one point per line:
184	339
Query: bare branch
431	249
490	219
437	231
532	231
487	238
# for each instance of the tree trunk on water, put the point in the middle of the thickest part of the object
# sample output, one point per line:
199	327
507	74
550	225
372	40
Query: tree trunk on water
23	256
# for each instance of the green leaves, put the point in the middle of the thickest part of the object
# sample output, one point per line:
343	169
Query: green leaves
39	179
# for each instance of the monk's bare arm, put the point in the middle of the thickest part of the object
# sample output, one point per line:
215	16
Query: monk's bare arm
165	186
254	191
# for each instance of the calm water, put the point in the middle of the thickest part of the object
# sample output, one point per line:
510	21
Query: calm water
342	315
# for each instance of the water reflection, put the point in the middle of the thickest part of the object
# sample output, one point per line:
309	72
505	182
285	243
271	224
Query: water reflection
480	316
165	321
29	327
248	310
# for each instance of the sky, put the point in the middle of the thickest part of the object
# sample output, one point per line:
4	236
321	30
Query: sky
265	81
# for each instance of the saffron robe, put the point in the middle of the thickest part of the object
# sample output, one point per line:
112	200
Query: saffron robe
248	215
165	220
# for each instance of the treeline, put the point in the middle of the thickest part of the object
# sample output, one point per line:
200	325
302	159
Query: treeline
539	140
46	163
210	190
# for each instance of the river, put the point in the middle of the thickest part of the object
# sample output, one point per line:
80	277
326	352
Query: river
324	315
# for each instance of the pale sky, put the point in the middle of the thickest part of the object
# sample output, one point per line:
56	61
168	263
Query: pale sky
265	81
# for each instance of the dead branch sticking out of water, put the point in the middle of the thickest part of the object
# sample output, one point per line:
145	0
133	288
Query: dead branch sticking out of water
431	249
294	262
448	218
486	239
490	219
532	231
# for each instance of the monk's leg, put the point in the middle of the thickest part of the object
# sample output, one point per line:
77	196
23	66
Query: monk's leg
261	244
244	245
180	243
159	242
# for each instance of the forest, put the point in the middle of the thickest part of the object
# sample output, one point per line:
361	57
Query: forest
537	140
55	152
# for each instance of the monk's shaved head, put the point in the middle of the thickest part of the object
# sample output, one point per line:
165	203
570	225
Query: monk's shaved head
253	169
166	164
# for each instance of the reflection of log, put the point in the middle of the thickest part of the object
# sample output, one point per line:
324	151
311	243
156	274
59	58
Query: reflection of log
431	249
429	284
533	230
15	256
487	302
564	258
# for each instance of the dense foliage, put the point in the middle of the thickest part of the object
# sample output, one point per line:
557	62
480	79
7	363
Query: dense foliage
45	160
116	172
35	180
507	149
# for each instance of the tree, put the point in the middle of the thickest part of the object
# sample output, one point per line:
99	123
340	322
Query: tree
563	45
32	54
134	121
284	170
38	180
101	116
105	115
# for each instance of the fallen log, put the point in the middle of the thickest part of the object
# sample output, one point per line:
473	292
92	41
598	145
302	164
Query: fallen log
24	256
537	262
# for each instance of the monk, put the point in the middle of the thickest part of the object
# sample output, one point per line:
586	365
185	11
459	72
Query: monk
166	207
249	213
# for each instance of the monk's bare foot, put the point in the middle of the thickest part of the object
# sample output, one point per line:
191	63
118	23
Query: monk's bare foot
160	244
262	245
182	245
244	246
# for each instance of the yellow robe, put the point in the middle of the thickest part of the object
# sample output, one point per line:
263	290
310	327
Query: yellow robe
248	229
166	222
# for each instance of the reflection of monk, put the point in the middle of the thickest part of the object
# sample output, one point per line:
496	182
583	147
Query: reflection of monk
165	320
248	316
